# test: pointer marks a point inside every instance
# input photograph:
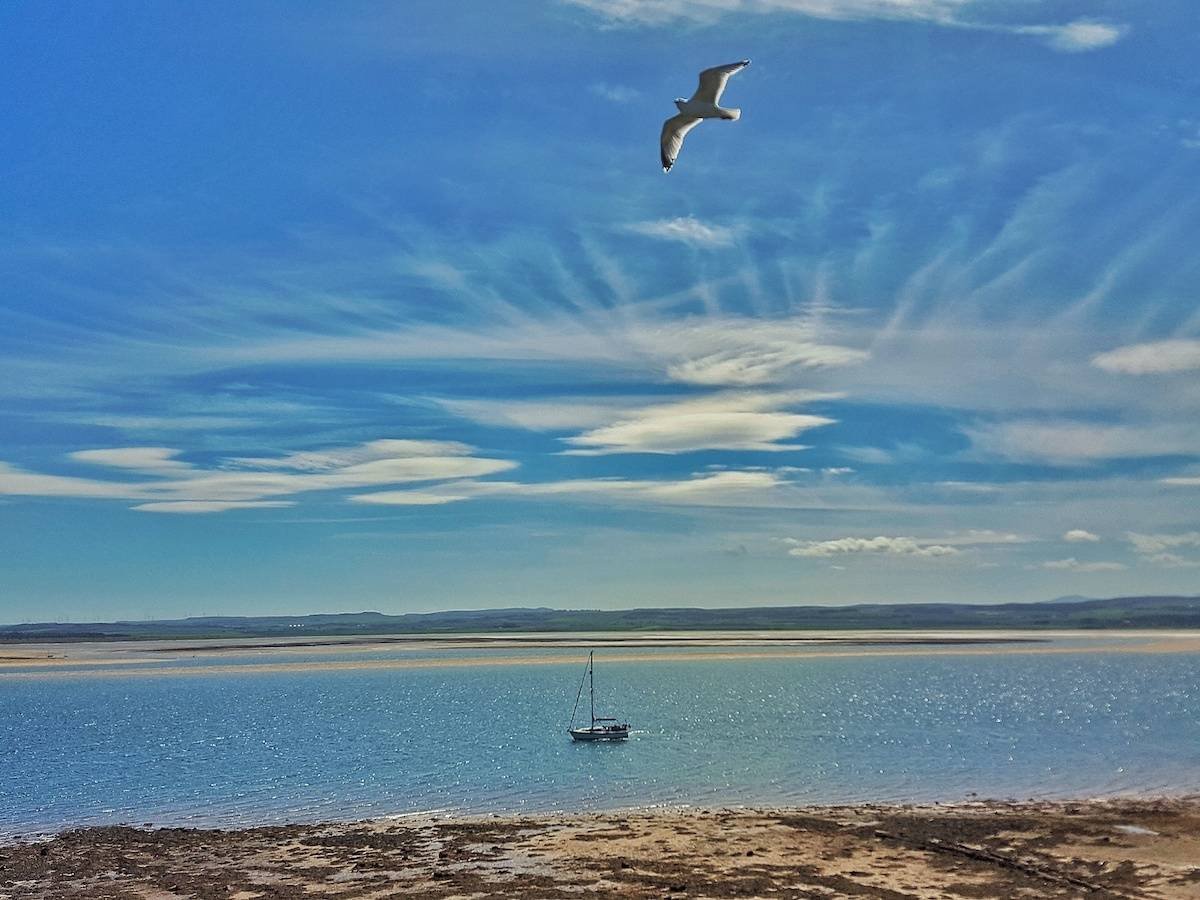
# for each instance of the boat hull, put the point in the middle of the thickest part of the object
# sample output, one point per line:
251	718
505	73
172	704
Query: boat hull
599	734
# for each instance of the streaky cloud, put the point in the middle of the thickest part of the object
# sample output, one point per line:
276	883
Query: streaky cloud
733	421
146	460
1077	36
686	230
1152	358
894	546
255	481
1077	443
199	507
729	488
1071	564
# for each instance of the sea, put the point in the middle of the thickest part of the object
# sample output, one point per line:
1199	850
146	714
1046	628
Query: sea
273	736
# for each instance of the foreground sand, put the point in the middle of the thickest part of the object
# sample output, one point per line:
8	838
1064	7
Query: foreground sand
1124	849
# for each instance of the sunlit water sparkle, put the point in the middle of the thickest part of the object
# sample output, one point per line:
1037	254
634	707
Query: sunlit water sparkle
230	749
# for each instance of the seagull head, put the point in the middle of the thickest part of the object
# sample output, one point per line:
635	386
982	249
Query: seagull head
679	101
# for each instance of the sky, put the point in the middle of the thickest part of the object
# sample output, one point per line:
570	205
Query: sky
365	305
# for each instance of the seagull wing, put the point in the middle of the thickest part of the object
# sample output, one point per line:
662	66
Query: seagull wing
712	81
675	129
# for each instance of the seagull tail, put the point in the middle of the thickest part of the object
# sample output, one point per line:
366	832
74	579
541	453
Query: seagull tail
731	114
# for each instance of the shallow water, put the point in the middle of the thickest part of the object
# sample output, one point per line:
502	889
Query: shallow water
234	748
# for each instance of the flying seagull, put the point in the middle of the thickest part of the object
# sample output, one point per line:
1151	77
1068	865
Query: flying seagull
702	105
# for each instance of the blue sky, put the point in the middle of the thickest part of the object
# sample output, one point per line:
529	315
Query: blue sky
390	306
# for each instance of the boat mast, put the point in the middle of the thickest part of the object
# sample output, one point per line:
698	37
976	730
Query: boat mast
592	673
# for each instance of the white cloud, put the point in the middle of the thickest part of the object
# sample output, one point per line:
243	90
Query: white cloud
439	274
870	455
654	12
548	413
146	460
905	546
1189	134
712	350
615	93
732	421
728	488
1157	543
1182	480
687	230
741	352
325	460
256	481
1073	565
17	482
1072	37
1076	442
194	507
1173	561
979	536
157	423
899	546
1154	358
1158	547
970	487
757	365
1080	536
1075	37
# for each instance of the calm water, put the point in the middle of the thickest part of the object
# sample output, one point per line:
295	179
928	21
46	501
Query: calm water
265	747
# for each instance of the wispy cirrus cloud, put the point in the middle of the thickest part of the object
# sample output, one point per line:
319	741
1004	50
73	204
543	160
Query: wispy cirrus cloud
550	413
712	350
1160	549
1071	564
723	351
201	507
1076	443
1071	37
733	488
614	93
686	230
653	12
1153	358
1182	480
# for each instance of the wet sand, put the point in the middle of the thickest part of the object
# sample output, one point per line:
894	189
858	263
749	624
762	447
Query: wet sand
1109	849
150	659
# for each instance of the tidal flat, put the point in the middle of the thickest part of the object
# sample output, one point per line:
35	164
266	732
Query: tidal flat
1114	849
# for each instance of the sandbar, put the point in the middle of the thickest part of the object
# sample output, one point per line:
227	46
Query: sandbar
158	659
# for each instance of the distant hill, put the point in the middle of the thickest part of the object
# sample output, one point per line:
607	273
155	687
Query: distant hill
1067	612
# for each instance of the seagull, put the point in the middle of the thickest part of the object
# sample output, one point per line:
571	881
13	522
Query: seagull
702	105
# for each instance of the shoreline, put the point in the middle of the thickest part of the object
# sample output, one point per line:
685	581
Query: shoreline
224	657
1121	847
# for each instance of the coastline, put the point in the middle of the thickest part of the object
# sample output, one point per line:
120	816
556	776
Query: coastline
225	657
1094	848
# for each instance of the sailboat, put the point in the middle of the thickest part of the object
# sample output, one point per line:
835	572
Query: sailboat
603	728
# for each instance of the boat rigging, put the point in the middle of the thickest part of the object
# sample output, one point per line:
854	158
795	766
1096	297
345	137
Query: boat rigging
603	728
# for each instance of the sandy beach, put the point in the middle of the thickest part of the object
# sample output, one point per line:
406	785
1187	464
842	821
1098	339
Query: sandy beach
1102	849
